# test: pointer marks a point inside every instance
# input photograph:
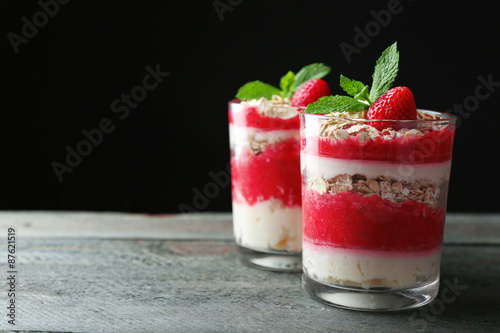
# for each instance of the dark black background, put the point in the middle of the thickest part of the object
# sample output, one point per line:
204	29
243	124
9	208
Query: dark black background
66	77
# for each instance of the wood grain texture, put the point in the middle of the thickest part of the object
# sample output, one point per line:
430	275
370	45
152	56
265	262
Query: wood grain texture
216	226
461	228
170	279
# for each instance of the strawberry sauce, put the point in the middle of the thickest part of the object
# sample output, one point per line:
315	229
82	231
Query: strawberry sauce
275	173
348	220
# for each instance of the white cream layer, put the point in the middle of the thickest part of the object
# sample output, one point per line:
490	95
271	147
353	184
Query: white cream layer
240	135
329	167
369	269
268	225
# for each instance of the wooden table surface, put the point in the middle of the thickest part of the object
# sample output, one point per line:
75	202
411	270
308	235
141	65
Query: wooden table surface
113	272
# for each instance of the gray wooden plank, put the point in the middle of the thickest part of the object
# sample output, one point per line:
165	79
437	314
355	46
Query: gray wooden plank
104	285
217	226
472	228
461	228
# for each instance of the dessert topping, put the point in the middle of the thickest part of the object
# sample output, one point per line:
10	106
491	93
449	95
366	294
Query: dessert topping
386	69
277	107
339	128
396	104
289	83
310	92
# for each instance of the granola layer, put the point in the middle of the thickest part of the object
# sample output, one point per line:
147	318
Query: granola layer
385	187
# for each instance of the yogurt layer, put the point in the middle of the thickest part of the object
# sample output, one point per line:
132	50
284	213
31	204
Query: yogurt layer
370	269
329	167
240	136
268	226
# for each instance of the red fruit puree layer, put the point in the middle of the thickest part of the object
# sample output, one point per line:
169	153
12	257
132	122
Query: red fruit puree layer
349	220
274	173
432	147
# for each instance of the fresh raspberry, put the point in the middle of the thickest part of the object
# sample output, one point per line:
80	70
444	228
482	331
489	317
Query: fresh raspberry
310	92
396	104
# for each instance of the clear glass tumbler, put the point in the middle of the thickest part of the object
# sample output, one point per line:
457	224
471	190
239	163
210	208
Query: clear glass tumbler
266	184
374	198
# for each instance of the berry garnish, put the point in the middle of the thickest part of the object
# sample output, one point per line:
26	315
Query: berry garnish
290	83
381	103
310	92
396	104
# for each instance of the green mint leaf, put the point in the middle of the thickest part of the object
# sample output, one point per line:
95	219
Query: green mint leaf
352	87
364	95
286	84
256	90
310	72
385	72
336	103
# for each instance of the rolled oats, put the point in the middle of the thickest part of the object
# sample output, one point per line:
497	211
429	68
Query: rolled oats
431	196
257	146
318	184
413	193
276	107
341	134
341	179
373	185
426	116
362	187
340	188
413	132
363	136
397	187
349	121
386	187
340	183
386	190
415	183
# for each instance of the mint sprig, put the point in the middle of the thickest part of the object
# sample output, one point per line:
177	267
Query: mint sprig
386	69
310	72
257	89
352	87
289	83
337	103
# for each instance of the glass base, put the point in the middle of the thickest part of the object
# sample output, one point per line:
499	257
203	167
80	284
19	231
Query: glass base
271	261
371	300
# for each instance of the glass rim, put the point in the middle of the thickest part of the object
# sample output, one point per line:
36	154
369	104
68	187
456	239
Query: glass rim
446	117
238	102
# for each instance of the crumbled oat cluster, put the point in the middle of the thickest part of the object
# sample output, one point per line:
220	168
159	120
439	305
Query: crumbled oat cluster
339	128
277	107
427	116
257	146
386	187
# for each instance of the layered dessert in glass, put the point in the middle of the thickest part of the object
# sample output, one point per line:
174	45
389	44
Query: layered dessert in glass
265	167
375	174
266	181
374	200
